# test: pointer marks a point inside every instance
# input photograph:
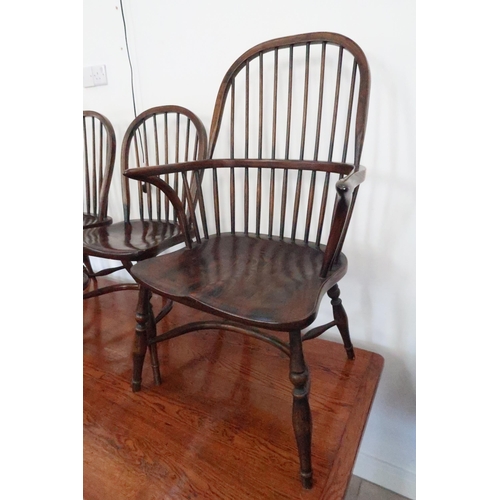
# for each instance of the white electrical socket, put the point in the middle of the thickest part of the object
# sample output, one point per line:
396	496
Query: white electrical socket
94	76
99	75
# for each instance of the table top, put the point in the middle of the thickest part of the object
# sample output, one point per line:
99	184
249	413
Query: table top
220	424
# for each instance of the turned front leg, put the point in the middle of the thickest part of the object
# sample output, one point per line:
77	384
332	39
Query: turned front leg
340	316
141	334
301	413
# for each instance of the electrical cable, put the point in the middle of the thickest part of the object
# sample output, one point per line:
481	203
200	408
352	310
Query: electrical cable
129	60
131	74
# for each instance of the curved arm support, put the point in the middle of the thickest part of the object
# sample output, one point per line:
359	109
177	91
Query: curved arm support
347	188
141	174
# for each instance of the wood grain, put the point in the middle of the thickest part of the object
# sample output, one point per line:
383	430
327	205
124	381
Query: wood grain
220	424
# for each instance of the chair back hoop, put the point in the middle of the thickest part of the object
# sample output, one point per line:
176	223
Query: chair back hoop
99	151
159	136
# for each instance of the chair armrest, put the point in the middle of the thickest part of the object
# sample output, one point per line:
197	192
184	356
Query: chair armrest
149	174
350	182
346	188
143	173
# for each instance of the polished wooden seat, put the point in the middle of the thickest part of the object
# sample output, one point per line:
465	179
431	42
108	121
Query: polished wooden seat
276	284
267	214
134	240
159	135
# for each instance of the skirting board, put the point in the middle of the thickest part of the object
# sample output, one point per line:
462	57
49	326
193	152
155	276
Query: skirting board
386	475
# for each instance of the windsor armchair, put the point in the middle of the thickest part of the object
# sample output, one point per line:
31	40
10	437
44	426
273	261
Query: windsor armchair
265	225
99	150
159	135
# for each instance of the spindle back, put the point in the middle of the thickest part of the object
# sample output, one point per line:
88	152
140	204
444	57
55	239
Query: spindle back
302	98
159	136
99	150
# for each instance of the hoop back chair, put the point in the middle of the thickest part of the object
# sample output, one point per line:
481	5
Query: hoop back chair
99	151
265	228
158	136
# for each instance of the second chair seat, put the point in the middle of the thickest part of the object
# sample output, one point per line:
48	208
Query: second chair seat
90	220
134	240
273	284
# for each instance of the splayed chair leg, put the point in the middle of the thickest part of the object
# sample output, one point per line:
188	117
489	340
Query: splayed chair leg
141	334
301	412
153	350
340	316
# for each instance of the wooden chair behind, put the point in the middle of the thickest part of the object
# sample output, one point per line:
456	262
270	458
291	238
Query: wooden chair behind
159	135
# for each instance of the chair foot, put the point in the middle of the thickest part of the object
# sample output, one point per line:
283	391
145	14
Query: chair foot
307	482
340	316
301	412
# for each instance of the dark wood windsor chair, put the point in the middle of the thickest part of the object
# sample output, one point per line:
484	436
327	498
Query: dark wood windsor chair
158	136
265	227
99	151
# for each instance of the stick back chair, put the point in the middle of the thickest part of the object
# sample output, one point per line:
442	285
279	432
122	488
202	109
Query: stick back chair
265	228
158	136
99	151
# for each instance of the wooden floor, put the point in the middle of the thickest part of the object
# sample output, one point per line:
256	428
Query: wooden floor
219	427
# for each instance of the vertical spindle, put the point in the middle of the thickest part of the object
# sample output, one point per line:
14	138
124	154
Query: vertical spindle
322	208
349	111
188	138
231	139
271	203
246	200
336	104
261	104
201	203
147	185
258	203
283	203
298	189
232	200
176	175
247	126
101	154
275	104
157	162
306	95
312	190
289	107
94	168
139	184
215	187
165	138
247	107
86	159
320	101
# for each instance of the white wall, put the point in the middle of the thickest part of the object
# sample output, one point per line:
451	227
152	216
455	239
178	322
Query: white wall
180	52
